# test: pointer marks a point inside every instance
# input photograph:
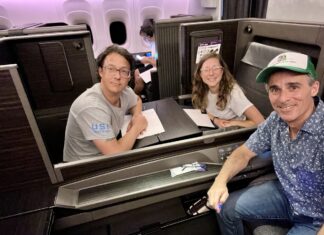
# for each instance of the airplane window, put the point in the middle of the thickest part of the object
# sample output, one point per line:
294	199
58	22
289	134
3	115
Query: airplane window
117	31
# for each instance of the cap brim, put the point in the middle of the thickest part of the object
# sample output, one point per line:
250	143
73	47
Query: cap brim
264	74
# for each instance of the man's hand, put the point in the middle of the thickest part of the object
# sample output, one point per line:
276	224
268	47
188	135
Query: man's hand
217	195
138	122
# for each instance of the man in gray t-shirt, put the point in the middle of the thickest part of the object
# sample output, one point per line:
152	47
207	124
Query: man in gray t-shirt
97	115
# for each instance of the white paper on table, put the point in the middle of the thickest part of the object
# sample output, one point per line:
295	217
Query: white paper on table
154	125
199	118
146	76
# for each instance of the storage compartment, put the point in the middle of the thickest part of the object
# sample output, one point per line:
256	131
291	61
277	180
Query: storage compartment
167	217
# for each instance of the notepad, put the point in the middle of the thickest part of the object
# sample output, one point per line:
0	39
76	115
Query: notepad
146	76
154	125
200	119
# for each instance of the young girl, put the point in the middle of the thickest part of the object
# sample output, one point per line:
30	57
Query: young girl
216	92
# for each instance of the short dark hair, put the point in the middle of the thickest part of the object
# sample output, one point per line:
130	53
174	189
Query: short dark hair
147	27
119	50
116	49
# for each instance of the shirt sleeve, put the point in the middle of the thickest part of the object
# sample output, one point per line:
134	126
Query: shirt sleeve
238	102
131	97
260	141
95	123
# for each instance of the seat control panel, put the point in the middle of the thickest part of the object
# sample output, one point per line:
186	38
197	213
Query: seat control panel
225	150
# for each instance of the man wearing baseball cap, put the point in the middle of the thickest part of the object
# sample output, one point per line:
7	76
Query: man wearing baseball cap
293	133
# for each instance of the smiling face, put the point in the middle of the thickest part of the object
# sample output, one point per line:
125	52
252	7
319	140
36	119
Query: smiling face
291	96
211	73
112	73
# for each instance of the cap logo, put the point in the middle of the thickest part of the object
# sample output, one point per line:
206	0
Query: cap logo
282	59
290	59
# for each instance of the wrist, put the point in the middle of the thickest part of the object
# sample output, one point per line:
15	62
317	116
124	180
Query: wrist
214	119
219	180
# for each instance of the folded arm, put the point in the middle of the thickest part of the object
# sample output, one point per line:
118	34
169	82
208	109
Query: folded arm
253	118
136	126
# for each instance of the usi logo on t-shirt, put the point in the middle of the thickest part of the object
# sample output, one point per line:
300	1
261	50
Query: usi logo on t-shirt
100	127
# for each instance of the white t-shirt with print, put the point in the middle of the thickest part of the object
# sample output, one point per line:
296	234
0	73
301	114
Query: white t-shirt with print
236	105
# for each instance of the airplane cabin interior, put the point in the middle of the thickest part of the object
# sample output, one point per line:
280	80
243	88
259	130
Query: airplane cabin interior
45	66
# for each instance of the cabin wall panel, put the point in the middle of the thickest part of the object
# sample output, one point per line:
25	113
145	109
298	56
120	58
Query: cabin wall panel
37	79
5	22
151	9
200	7
76	5
301	10
168	67
82	12
23	13
21	164
83	17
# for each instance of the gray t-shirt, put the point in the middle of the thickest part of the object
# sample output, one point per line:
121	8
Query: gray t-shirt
235	107
93	117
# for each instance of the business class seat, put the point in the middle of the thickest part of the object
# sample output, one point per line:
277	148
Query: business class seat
255	59
56	64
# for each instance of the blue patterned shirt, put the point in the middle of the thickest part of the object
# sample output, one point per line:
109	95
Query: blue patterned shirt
298	163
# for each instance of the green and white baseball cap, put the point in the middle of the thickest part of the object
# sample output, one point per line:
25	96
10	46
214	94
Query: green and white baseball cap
292	61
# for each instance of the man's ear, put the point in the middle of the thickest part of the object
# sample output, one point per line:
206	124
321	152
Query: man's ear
315	88
100	72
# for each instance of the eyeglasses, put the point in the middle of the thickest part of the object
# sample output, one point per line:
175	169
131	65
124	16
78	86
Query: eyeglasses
212	69
123	72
